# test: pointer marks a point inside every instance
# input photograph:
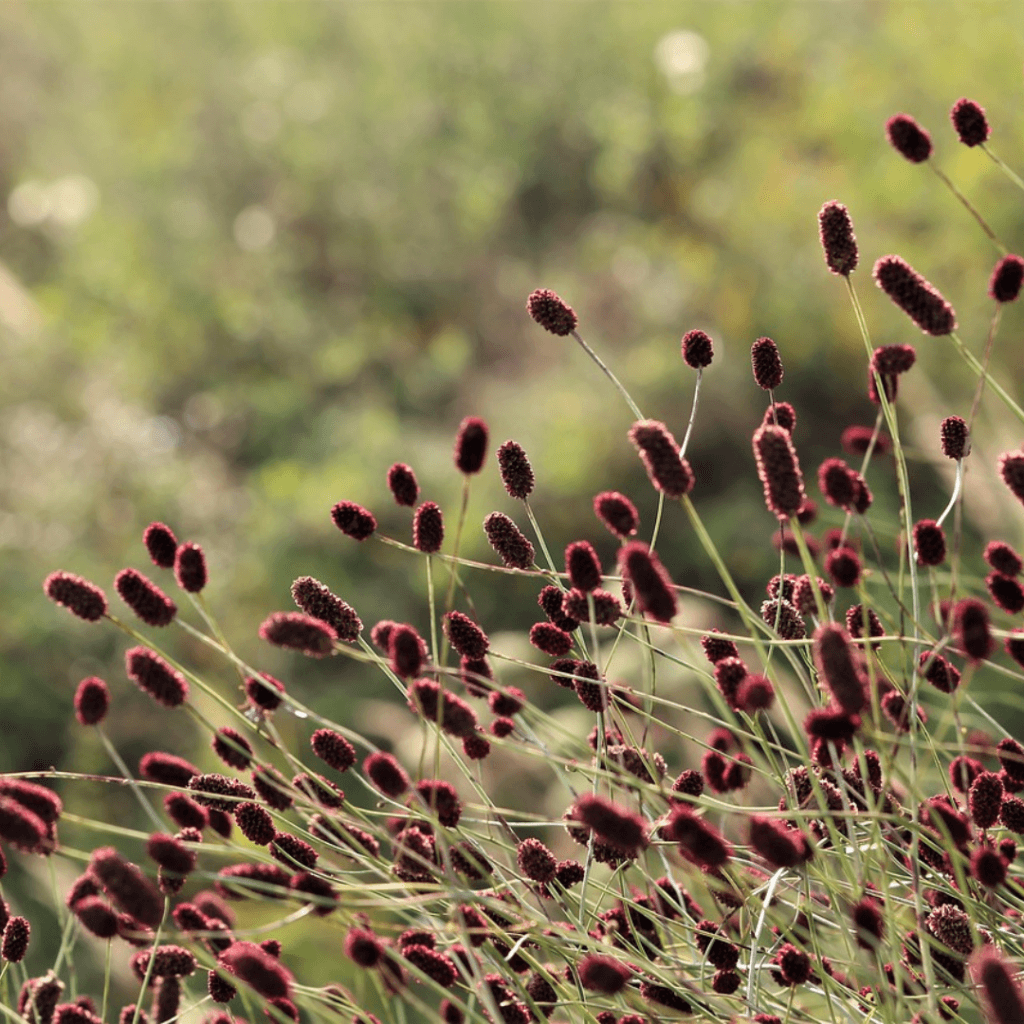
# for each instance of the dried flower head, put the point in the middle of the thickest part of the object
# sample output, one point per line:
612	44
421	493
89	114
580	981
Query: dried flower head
969	122
77	594
668	471
402	484
471	445
929	542
428	528
190	568
837	238
697	349
915	296
516	471
779	470
152	674
508	541
617	513
652	586
299	632
955	438
908	138
317	600
353	520
92	701
1006	280
551	312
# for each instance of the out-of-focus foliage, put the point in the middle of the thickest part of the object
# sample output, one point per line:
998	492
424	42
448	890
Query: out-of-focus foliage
256	253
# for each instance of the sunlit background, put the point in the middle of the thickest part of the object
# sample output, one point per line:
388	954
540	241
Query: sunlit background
252	254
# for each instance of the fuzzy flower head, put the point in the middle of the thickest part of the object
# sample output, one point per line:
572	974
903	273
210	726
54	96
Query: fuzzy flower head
516	471
697	349
779	470
969	121
152	674
190	568
921	301
508	541
652	587
1006	280
161	544
668	471
837	238
77	594
92	700
317	600
551	312
766	364
955	438
1000	989
403	485
614	825
353	520
617	513
428	528
471	445
908	138
299	632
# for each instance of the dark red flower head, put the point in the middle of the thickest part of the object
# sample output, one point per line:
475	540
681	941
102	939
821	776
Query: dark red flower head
617	513
837	668
1011	469
317	600
145	598
508	541
152	674
128	888
583	566
1006	592
353	520
402	484
551	312
955	437
766	364
614	825
837	238
190	568
161	544
232	748
781	414
428	528
908	138
855	441
92	701
779	845
698	840
779	470
77	594
652	586
969	121
915	296
1003	558
14	945
843	567
1006	280
668	471
929	542
299	632
471	445
386	774
265	974
697	349
407	649
973	629
516	471
600	973
332	748
465	636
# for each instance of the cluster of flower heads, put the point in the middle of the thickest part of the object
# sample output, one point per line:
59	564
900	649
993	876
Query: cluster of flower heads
795	861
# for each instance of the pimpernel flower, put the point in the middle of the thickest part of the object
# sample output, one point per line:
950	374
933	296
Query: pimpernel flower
152	674
668	471
908	138
471	445
697	349
551	312
508	541
353	520
915	296
402	484
969	121
779	470
77	594
1006	280
317	600
299	632
92	701
837	238
516	471
617	513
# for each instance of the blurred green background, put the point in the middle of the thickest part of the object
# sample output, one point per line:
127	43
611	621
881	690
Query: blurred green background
252	254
